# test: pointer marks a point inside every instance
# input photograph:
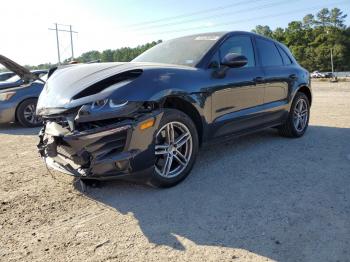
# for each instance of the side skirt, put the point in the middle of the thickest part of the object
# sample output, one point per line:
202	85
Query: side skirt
242	133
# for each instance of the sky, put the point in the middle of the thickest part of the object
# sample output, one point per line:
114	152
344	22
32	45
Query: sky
107	24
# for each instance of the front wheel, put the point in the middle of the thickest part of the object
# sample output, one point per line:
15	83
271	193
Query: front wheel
176	148
298	118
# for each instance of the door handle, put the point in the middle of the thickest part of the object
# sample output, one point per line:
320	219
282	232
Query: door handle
293	76
258	79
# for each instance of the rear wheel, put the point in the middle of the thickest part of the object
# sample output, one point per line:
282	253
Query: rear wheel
298	118
176	149
26	113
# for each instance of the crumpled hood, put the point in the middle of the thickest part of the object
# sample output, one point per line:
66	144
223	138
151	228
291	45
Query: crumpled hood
67	82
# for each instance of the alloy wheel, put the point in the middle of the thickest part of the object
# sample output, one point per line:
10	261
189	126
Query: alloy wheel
173	149
30	114
301	115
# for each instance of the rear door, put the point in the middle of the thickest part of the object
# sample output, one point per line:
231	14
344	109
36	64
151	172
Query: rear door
278	78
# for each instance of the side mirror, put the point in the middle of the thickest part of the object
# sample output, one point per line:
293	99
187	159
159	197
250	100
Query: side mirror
234	60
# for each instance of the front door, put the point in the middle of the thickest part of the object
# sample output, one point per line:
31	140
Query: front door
237	96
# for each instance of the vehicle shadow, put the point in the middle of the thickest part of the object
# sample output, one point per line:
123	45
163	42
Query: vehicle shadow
17	129
285	199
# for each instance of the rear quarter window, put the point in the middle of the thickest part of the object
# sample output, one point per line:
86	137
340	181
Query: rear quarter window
269	54
285	57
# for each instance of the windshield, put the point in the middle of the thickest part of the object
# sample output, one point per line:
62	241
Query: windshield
180	51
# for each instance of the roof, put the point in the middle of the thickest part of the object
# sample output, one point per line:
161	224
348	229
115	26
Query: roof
221	34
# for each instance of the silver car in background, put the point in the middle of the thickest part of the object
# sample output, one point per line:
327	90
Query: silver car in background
19	94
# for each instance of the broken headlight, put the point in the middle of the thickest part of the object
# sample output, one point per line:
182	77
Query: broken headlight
106	109
111	103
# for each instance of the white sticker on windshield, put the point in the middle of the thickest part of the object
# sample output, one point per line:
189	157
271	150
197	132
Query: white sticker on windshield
207	37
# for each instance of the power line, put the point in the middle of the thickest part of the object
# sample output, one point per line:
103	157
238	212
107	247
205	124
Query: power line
57	39
245	20
191	14
220	15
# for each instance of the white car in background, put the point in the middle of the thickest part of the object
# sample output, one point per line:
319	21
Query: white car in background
317	74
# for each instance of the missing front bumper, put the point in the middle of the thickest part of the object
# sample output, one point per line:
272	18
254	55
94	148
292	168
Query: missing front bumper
117	150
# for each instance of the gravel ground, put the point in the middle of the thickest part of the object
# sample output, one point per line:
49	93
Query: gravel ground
257	198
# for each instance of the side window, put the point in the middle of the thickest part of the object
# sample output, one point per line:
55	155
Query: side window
268	53
285	57
240	45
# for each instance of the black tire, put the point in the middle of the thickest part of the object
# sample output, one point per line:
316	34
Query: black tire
288	129
21	110
176	116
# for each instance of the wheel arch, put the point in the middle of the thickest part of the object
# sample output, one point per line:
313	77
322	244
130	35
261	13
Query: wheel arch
182	104
305	90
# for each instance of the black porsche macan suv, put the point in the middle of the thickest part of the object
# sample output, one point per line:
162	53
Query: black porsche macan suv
146	119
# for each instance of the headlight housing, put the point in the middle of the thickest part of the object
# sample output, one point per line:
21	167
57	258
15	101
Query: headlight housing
6	96
107	109
108	103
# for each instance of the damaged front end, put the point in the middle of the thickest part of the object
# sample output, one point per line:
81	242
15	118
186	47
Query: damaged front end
92	129
101	140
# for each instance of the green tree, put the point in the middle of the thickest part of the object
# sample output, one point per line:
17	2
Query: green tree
279	34
295	34
123	54
263	30
308	21
323	17
337	18
312	39
107	55
89	56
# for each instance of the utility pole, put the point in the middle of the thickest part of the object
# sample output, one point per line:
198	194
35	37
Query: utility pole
57	39
71	40
332	61
58	44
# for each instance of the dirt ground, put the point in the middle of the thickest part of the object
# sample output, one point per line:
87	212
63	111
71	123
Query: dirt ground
257	198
